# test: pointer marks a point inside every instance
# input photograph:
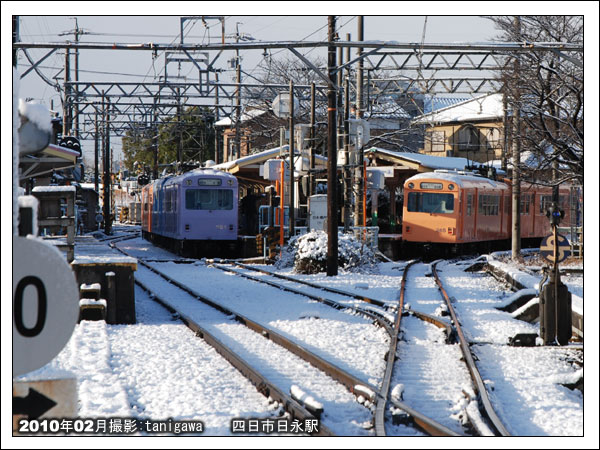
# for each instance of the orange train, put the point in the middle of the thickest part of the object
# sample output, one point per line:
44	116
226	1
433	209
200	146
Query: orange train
464	209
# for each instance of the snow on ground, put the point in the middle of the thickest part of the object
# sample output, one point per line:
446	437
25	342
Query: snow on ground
477	296
342	414
123	371
170	373
350	342
524	383
526	276
88	356
525	386
421	291
383	284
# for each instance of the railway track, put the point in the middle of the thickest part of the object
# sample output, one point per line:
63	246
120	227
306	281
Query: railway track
421	421
119	238
382	314
358	387
353	384
469	359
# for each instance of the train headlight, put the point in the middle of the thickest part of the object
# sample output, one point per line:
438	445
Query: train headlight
411	185
451	186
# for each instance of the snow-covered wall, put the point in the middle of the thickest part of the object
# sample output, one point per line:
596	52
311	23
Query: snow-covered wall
15	153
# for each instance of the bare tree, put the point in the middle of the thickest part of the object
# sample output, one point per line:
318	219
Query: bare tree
547	89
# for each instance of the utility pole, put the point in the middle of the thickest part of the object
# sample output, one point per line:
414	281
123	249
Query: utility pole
291	148
359	114
77	33
180	140
67	102
505	139
107	181
74	117
332	201
311	151
154	140
238	104
346	168
96	153
217	110
346	128
516	156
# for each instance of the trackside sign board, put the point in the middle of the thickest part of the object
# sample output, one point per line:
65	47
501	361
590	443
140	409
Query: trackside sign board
45	304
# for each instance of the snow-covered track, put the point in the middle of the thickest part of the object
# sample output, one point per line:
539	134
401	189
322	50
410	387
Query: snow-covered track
263	385
363	298
378	317
124	237
350	382
469	360
425	423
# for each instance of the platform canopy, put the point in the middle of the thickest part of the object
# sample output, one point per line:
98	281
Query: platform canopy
53	157
414	161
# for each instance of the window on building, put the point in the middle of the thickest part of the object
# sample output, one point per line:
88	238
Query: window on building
435	141
468	138
492	137
545	203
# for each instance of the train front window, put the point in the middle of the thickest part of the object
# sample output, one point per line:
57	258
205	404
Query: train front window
430	203
209	199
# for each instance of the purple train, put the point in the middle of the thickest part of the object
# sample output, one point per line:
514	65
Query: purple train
195	213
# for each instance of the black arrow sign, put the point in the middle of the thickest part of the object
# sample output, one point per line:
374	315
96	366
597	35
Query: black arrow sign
32	406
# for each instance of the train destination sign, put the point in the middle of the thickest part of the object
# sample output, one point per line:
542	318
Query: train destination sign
45	304
547	248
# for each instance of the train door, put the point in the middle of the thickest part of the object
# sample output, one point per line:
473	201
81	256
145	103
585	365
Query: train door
526	212
468	216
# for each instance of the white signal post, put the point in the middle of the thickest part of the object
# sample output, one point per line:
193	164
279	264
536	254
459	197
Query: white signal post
45	304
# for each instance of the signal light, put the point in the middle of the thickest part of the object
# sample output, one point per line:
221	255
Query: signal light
555	214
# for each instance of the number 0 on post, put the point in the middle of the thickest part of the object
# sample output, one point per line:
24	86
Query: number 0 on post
45	304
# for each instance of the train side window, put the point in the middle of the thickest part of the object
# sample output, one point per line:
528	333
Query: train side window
168	201
525	202
489	205
469	204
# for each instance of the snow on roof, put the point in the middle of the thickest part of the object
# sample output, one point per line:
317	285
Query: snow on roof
429	161
433	102
462	180
486	107
246	115
90	260
255	157
37	114
200	171
28	201
54	189
386	107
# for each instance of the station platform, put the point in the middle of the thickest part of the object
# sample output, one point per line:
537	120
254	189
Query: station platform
96	262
